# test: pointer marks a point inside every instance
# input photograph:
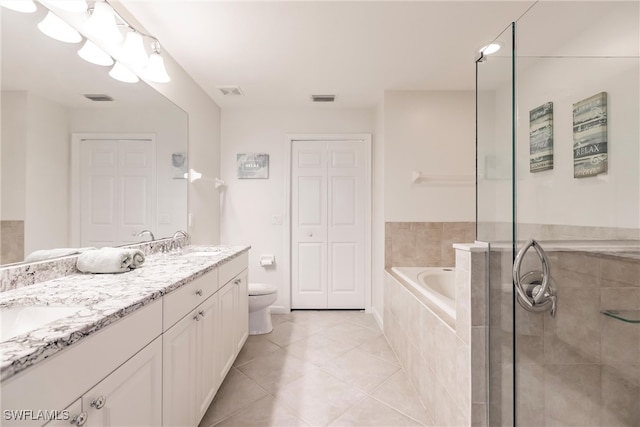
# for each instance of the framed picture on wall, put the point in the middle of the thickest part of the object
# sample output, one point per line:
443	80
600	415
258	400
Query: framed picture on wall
590	136
541	138
253	165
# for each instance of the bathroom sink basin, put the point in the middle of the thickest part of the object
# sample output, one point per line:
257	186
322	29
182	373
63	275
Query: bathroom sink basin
18	320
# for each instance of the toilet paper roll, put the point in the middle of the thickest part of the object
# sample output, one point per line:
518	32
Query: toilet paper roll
267	260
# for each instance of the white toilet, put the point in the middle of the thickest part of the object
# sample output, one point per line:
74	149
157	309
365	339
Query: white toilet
261	296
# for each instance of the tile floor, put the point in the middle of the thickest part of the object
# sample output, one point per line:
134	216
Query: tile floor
317	368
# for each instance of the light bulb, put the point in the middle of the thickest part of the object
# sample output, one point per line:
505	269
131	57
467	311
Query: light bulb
24	6
490	48
57	29
92	53
123	74
102	24
155	70
133	52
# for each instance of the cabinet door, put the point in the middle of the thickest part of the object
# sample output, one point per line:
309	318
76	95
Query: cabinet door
207	377
71	415
226	335
131	395
241	324
179	370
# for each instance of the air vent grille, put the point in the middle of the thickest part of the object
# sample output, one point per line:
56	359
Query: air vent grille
230	90
98	97
323	98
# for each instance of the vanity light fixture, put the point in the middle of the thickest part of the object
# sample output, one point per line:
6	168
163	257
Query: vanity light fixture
102	24
24	6
122	73
491	48
58	29
155	70
92	53
133	52
73	6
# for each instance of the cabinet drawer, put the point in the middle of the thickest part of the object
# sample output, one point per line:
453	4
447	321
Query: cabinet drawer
184	299
232	268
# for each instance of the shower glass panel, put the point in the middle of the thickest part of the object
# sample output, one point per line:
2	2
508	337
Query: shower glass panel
568	120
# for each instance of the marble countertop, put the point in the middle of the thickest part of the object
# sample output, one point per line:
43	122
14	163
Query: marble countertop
104	298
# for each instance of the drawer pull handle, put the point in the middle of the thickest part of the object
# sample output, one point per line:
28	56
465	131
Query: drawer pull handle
199	292
79	419
198	316
99	402
238	281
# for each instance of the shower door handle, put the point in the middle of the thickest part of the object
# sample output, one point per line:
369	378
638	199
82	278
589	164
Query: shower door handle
535	289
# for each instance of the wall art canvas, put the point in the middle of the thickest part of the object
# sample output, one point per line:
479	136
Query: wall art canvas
179	165
590	136
253	165
541	138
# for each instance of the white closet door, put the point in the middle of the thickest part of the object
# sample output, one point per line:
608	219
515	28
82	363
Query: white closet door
328	224
117	190
309	225
346	220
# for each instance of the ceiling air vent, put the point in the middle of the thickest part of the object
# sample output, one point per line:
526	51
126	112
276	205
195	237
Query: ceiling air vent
230	90
98	97
323	98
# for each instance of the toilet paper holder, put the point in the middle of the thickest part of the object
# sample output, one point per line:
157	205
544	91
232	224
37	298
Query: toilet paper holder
267	261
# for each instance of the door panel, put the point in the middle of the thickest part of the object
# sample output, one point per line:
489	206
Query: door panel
328	223
117	190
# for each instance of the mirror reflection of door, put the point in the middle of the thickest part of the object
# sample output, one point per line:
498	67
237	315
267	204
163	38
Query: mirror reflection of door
117	189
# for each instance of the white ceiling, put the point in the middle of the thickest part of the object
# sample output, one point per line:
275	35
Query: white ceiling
280	53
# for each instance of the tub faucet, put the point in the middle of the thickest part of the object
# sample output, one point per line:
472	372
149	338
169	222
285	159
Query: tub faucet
143	232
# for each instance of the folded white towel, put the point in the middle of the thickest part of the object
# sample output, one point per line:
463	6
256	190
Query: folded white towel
105	260
137	257
43	254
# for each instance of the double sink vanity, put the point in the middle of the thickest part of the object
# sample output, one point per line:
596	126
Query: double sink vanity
149	347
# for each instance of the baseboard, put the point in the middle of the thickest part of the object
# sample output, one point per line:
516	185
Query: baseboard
378	317
279	309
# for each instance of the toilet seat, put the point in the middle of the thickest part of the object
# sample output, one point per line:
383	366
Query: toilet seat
256	289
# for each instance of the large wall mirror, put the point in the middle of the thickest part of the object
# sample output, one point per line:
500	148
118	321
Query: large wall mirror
43	105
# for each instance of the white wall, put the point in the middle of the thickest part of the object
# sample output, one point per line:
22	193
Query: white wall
204	140
169	124
248	206
14	154
47	175
378	243
432	132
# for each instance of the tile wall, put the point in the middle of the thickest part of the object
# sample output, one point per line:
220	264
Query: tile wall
11	241
445	358
581	368
425	244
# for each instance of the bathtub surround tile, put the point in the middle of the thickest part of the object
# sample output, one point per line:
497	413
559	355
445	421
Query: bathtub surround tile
572	395
479	364
620	395
424	244
11	241
463	304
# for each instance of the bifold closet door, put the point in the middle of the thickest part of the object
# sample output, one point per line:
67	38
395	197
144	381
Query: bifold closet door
117	190
328	219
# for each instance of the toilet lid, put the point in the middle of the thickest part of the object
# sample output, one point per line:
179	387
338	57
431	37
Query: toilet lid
261	289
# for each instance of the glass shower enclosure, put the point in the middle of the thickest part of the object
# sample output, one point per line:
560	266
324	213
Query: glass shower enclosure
558	202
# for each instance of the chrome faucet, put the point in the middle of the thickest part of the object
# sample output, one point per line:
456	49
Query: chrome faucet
143	232
175	242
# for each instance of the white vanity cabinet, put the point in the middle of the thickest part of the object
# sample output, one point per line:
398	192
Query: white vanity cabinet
131	395
64	378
